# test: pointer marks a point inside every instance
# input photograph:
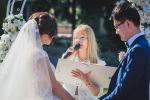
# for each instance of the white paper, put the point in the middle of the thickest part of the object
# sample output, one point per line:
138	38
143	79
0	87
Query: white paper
101	75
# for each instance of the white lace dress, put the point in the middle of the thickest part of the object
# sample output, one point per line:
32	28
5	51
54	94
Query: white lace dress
24	72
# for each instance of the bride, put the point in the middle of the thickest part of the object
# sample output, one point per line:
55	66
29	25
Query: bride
26	73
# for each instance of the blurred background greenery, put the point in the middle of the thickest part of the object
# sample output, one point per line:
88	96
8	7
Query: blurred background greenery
69	14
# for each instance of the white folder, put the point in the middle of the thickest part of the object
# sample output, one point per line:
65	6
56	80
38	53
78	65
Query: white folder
101	75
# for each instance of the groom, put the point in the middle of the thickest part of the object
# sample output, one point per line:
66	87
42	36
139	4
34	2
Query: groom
131	80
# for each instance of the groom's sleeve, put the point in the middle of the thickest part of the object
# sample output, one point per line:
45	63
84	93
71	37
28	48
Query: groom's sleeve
130	75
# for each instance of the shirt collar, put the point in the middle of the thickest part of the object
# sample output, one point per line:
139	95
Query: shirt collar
130	41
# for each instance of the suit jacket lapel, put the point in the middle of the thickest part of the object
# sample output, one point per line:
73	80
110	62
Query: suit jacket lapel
129	49
122	64
137	40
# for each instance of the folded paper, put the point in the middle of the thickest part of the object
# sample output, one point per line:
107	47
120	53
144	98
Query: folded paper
101	75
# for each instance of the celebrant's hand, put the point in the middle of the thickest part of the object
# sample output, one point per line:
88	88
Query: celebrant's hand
84	77
81	75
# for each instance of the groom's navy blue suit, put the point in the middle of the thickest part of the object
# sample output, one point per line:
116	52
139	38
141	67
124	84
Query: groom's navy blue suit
131	80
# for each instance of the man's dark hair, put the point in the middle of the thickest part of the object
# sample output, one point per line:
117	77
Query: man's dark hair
124	10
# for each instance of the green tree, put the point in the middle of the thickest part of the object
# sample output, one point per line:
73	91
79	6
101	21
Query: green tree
3	5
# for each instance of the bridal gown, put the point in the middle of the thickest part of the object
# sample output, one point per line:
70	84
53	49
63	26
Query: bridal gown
24	72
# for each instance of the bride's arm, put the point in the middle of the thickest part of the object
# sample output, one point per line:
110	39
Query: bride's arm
57	89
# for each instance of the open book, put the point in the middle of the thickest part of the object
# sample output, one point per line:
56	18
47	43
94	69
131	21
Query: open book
101	75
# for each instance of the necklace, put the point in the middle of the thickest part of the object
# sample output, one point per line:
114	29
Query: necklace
83	60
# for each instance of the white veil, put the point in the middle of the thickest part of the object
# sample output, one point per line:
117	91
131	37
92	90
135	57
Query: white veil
24	72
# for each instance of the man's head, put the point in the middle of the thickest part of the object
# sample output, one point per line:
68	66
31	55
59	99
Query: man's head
126	20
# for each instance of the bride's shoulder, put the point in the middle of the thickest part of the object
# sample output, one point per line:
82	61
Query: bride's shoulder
40	54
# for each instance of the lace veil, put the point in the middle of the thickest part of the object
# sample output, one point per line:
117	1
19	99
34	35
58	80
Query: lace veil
24	72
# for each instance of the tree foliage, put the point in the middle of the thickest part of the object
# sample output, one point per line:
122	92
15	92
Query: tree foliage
3	4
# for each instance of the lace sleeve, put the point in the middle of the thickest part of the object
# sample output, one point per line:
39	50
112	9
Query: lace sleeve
43	77
44	66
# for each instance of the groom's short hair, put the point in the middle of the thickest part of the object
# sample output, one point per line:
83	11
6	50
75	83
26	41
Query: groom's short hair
125	10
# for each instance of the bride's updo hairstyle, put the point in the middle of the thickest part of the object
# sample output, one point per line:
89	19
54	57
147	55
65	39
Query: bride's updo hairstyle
47	23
